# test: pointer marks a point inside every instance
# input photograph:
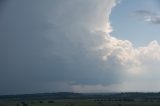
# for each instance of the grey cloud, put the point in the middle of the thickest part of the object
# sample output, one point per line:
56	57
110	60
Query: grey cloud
145	12
148	16
59	45
46	42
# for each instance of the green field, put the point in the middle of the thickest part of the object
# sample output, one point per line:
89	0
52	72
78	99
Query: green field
78	103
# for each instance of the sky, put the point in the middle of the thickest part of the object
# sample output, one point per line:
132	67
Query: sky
79	46
123	16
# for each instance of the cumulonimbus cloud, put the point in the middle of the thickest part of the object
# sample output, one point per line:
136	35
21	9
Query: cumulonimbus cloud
64	45
138	65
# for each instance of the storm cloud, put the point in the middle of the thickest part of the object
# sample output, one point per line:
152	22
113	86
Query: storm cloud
59	45
46	45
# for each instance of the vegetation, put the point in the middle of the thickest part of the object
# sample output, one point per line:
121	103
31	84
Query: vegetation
75	99
80	103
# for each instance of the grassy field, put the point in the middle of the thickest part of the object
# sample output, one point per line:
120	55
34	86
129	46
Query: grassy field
78	103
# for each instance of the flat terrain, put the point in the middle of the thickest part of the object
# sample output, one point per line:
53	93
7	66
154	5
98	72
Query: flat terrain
77	103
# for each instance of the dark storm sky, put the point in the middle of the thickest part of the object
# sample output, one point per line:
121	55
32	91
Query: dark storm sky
66	45
46	46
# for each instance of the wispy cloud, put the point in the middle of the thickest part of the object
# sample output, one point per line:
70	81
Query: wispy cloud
148	16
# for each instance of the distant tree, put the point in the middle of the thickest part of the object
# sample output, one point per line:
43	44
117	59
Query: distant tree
50	101
40	101
24	104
